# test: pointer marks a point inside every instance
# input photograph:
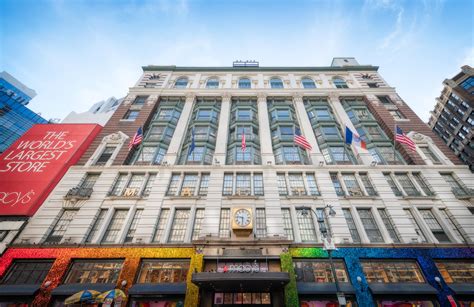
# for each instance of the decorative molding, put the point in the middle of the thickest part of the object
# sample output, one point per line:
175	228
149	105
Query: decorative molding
129	99
190	96
333	96
297	96
419	138
117	137
262	96
226	96
152	99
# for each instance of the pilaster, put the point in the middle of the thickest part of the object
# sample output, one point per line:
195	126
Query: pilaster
265	135
222	131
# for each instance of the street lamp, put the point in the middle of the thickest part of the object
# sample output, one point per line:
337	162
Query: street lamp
329	245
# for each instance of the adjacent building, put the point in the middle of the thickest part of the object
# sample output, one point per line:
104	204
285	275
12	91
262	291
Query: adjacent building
15	117
219	206
99	113
453	116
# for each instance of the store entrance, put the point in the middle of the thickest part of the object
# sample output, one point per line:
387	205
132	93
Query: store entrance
227	299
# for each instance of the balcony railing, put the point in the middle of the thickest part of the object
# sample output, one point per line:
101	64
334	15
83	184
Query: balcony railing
79	193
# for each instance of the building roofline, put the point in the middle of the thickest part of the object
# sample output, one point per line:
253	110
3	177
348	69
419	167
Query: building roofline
269	68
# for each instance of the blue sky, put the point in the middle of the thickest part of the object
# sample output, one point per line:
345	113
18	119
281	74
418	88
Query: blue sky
75	53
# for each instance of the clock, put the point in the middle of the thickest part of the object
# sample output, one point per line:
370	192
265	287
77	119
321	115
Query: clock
242	221
242	217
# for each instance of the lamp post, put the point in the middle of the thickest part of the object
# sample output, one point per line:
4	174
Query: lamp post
329	246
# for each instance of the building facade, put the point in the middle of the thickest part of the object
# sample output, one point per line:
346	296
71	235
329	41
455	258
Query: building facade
453	116
99	113
15	117
189	218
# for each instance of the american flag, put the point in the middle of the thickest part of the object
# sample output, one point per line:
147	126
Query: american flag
402	138
136	140
244	144
301	141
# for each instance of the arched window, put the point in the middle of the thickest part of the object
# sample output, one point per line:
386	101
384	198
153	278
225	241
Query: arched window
308	83
181	82
276	83
245	83
212	83
339	82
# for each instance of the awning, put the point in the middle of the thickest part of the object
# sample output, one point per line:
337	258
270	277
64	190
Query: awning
151	289
262	281
323	287
18	290
401	288
69	289
462	288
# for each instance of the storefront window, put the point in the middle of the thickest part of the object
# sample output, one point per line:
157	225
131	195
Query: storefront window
241	298
392	271
319	271
456	271
324	303
27	272
159	271
159	303
97	271
403	303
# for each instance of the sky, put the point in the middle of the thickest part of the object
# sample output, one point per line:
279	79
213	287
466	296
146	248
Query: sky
74	53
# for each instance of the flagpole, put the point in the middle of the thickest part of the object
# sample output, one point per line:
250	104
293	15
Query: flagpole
394	140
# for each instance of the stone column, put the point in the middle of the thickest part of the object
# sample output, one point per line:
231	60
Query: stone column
362	155
180	131
223	130
264	126
307	129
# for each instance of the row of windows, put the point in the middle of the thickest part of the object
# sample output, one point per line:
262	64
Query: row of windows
402	184
176	271
275	82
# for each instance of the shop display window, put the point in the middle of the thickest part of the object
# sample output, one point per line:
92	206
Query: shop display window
159	303
456	271
392	271
163	271
319	271
242	298
94	271
324	303
404	303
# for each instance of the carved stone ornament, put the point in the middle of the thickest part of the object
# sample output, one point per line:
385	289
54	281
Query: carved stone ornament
128	100
419	138
262	96
297	96
226	96
190	96
117	137
333	96
151	99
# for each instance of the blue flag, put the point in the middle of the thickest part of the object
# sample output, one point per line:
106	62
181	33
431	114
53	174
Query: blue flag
348	136
193	145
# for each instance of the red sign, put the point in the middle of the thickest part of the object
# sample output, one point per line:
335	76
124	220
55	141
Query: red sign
34	164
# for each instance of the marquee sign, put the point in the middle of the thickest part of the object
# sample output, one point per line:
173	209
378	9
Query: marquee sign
32	166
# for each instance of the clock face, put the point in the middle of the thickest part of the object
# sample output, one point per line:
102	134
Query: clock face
242	217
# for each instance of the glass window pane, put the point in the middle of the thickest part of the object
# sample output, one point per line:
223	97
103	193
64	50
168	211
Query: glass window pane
179	225
370	225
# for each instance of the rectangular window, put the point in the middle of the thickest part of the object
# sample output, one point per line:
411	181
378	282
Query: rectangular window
198	218
392	271
282	190
258	184
415	225
134	185
179	225
434	226
392	184
368	184
312	186
224	224
119	185
319	271
422	182
352	185
228	184
244	114
140	100
62	224
456	187
297	184
351	224
387	221
260	223
133	226
161	224
149	184
27	272
89	181
370	226
105	155
451	222
306	225
131	115
189	184
173	186
163	271
204	185
385	100
115	226
242	184
287	224
458	271
97	225
94	271
337	184
407	185
430	154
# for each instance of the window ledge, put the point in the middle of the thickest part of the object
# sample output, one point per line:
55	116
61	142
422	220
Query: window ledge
401	119
242	196
360	197
302	196
419	197
114	197
127	120
182	197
